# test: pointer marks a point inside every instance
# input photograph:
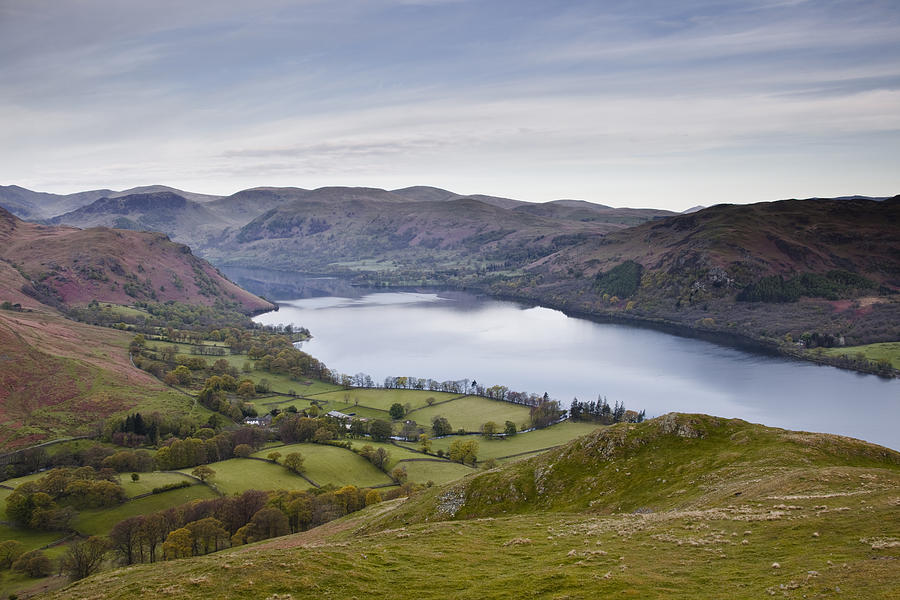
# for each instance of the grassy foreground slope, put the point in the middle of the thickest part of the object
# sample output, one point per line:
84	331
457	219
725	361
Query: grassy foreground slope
684	506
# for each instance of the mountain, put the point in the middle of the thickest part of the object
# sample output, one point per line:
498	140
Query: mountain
66	266
332	228
31	205
682	506
770	272
60	377
579	210
184	220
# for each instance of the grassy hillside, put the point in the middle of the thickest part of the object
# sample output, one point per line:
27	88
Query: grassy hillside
684	506
60	377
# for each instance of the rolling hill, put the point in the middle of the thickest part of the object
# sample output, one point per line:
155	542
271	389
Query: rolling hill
60	377
683	506
65	266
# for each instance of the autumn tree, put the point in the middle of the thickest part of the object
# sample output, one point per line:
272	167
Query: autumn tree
294	462
85	557
203	472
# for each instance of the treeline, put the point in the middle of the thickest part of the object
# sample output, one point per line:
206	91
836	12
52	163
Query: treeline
50	502
622	281
205	526
833	285
601	412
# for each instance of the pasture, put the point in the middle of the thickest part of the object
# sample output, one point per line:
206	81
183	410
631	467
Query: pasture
471	412
531	441
325	465
100	521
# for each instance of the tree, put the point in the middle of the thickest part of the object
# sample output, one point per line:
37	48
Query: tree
135	477
397	411
465	452
243	450
489	429
399	474
373	497
380	430
294	462
33	564
182	375
274	456
85	558
178	544
510	429
203	473
269	522
424	443
125	538
440	426
10	551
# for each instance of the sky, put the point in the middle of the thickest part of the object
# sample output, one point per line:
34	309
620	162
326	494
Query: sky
653	104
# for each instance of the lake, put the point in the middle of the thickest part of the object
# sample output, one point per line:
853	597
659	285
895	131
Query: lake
453	335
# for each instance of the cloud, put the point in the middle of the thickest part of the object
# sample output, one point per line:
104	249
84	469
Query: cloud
541	99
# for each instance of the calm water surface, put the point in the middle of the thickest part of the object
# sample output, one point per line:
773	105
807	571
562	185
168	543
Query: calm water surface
455	336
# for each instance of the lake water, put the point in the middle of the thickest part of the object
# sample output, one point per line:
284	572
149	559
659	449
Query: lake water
452	335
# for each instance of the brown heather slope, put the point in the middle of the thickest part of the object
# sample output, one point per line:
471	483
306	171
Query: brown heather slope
693	268
59	378
767	238
71	266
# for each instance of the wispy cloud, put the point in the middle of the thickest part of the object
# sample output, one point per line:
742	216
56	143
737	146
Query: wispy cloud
650	103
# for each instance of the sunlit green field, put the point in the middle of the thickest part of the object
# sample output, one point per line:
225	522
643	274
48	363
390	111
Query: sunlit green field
325	464
148	481
522	442
382	399
884	351
471	412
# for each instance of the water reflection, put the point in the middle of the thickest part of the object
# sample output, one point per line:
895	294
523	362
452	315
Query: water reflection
456	336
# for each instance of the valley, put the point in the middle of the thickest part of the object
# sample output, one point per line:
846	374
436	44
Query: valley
217	437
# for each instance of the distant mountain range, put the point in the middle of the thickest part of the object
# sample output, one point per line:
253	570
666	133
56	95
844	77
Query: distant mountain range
697	270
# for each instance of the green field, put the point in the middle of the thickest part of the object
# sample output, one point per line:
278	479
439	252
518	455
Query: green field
471	412
328	464
148	481
887	350
237	475
100	521
421	471
522	442
32	539
382	399
396	452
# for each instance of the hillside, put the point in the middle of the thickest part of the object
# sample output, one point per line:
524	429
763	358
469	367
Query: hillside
67	266
777	273
31	205
416	230
61	378
183	220
683	506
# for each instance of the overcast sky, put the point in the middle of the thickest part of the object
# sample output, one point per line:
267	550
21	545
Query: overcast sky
663	104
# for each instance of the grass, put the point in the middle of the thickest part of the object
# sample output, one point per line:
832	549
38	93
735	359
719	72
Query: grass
148	481
435	471
237	475
531	441
382	399
396	452
884	351
101	521
721	502
329	464
471	412
30	538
